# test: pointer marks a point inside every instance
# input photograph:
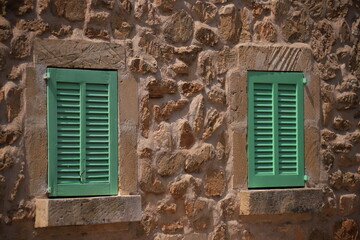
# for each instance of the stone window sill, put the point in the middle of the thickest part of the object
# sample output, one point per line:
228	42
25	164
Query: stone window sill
51	212
280	201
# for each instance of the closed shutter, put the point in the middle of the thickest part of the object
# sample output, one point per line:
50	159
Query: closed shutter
82	132
275	129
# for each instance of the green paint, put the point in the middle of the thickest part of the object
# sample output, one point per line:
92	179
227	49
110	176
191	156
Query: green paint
275	129
82	132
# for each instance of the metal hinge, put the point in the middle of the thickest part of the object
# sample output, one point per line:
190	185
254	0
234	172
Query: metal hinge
306	177
305	80
48	190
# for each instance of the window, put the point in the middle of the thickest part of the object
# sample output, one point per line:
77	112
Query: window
82	132
275	129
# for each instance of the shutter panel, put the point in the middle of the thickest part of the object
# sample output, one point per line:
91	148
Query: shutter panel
275	129
97	133
82	127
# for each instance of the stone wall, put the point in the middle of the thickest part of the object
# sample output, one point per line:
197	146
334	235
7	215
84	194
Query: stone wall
182	54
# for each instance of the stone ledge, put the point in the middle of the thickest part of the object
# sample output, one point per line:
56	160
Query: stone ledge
280	201
85	211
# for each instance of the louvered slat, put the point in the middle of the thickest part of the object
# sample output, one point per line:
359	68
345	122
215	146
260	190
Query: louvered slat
263	124
287	108
68	132
97	130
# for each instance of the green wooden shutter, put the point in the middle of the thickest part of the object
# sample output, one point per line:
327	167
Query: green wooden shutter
275	129
82	132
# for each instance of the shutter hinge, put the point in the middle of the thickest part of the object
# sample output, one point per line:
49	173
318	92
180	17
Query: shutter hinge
306	177
305	80
46	76
48	190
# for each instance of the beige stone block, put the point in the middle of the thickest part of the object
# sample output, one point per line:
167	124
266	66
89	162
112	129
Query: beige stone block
35	131
196	236
280	201
312	153
79	54
128	98
128	159
239	155
85	211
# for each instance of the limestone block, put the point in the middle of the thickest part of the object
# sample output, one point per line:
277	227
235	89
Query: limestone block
79	54
85	211
280	201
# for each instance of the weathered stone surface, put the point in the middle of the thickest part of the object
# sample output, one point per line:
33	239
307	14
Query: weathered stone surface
149	221
230	23
149	182
164	112
347	100
349	84
179	67
229	206
166	208
335	179
82	211
187	54
296	27
13	102
186	137
20	45
206	11
206	36
165	5
190	88
3	56
143	65
342	147
97	25
38	26
120	26
199	156
158	88
153	46
179	27
73	10
322	40
173	227
79	54
348	204
214	119
341	124
327	159
169	163
329	69
194	207
5	29
346	230
197	113
182	184
109	4
214	184
288	201
61	30
315	8
351	181
162	137
217	95
225	59
207	67
219	232
265	31
20	7
144	116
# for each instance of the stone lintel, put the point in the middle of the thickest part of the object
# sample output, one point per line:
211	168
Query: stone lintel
280	201
79	54
86	211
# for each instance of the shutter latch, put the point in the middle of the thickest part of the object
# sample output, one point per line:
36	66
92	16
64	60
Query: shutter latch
305	80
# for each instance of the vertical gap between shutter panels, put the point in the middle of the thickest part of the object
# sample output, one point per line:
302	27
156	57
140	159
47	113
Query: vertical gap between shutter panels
83	134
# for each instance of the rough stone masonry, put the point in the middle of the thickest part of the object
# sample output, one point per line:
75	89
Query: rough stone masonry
181	53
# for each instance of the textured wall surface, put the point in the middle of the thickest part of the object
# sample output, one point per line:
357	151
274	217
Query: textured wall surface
181	53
